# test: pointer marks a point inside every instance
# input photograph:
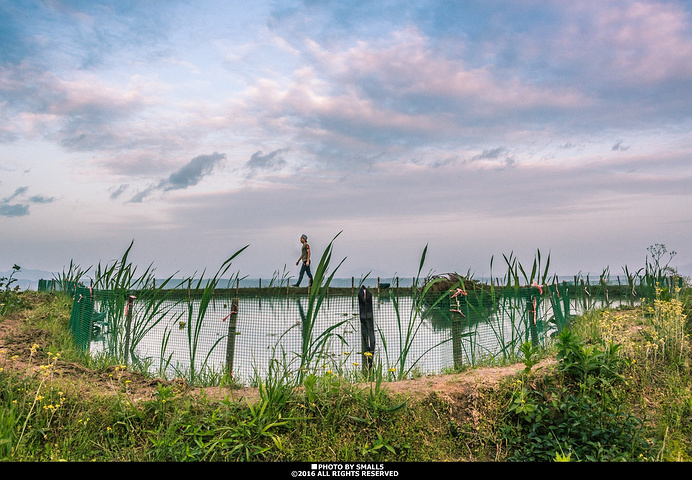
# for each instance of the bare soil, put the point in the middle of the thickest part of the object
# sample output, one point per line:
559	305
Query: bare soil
23	349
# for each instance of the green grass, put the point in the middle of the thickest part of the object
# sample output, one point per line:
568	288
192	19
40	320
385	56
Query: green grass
599	403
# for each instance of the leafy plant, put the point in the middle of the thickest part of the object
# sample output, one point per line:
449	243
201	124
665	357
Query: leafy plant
382	448
581	424
579	361
9	298
529	352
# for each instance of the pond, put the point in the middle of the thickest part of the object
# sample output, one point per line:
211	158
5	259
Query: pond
271	330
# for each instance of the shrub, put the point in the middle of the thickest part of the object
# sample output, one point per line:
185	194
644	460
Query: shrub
578	416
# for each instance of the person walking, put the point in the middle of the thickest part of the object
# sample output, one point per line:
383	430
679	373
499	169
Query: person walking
305	258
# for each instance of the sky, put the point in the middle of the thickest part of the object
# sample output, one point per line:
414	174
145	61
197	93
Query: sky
471	130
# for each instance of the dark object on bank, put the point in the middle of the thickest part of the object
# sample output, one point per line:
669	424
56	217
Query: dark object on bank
367	325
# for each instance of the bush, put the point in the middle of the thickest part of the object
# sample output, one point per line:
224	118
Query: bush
578	416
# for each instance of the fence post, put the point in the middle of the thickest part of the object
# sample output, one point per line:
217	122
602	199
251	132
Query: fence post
457	350
367	327
230	340
128	325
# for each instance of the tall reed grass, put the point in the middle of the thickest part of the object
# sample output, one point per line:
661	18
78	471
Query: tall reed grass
522	295
408	327
196	308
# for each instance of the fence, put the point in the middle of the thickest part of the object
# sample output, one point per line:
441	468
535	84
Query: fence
245	332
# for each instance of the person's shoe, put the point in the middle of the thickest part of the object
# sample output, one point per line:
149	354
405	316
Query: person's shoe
296	285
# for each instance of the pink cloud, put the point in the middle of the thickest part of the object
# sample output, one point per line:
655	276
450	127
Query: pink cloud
631	42
407	65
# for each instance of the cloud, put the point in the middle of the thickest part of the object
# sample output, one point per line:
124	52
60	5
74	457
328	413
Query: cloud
261	162
116	192
498	157
8	209
191	174
491	154
13	210
395	204
186	176
18	192
413	85
635	43
41	199
84	113
493	157
397	92
390	112
619	147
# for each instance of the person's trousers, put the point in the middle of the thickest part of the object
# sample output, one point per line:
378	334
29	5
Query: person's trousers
304	269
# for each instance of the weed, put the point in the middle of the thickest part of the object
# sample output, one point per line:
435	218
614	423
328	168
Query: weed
666	335
385	448
529	352
246	435
579	361
9	297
